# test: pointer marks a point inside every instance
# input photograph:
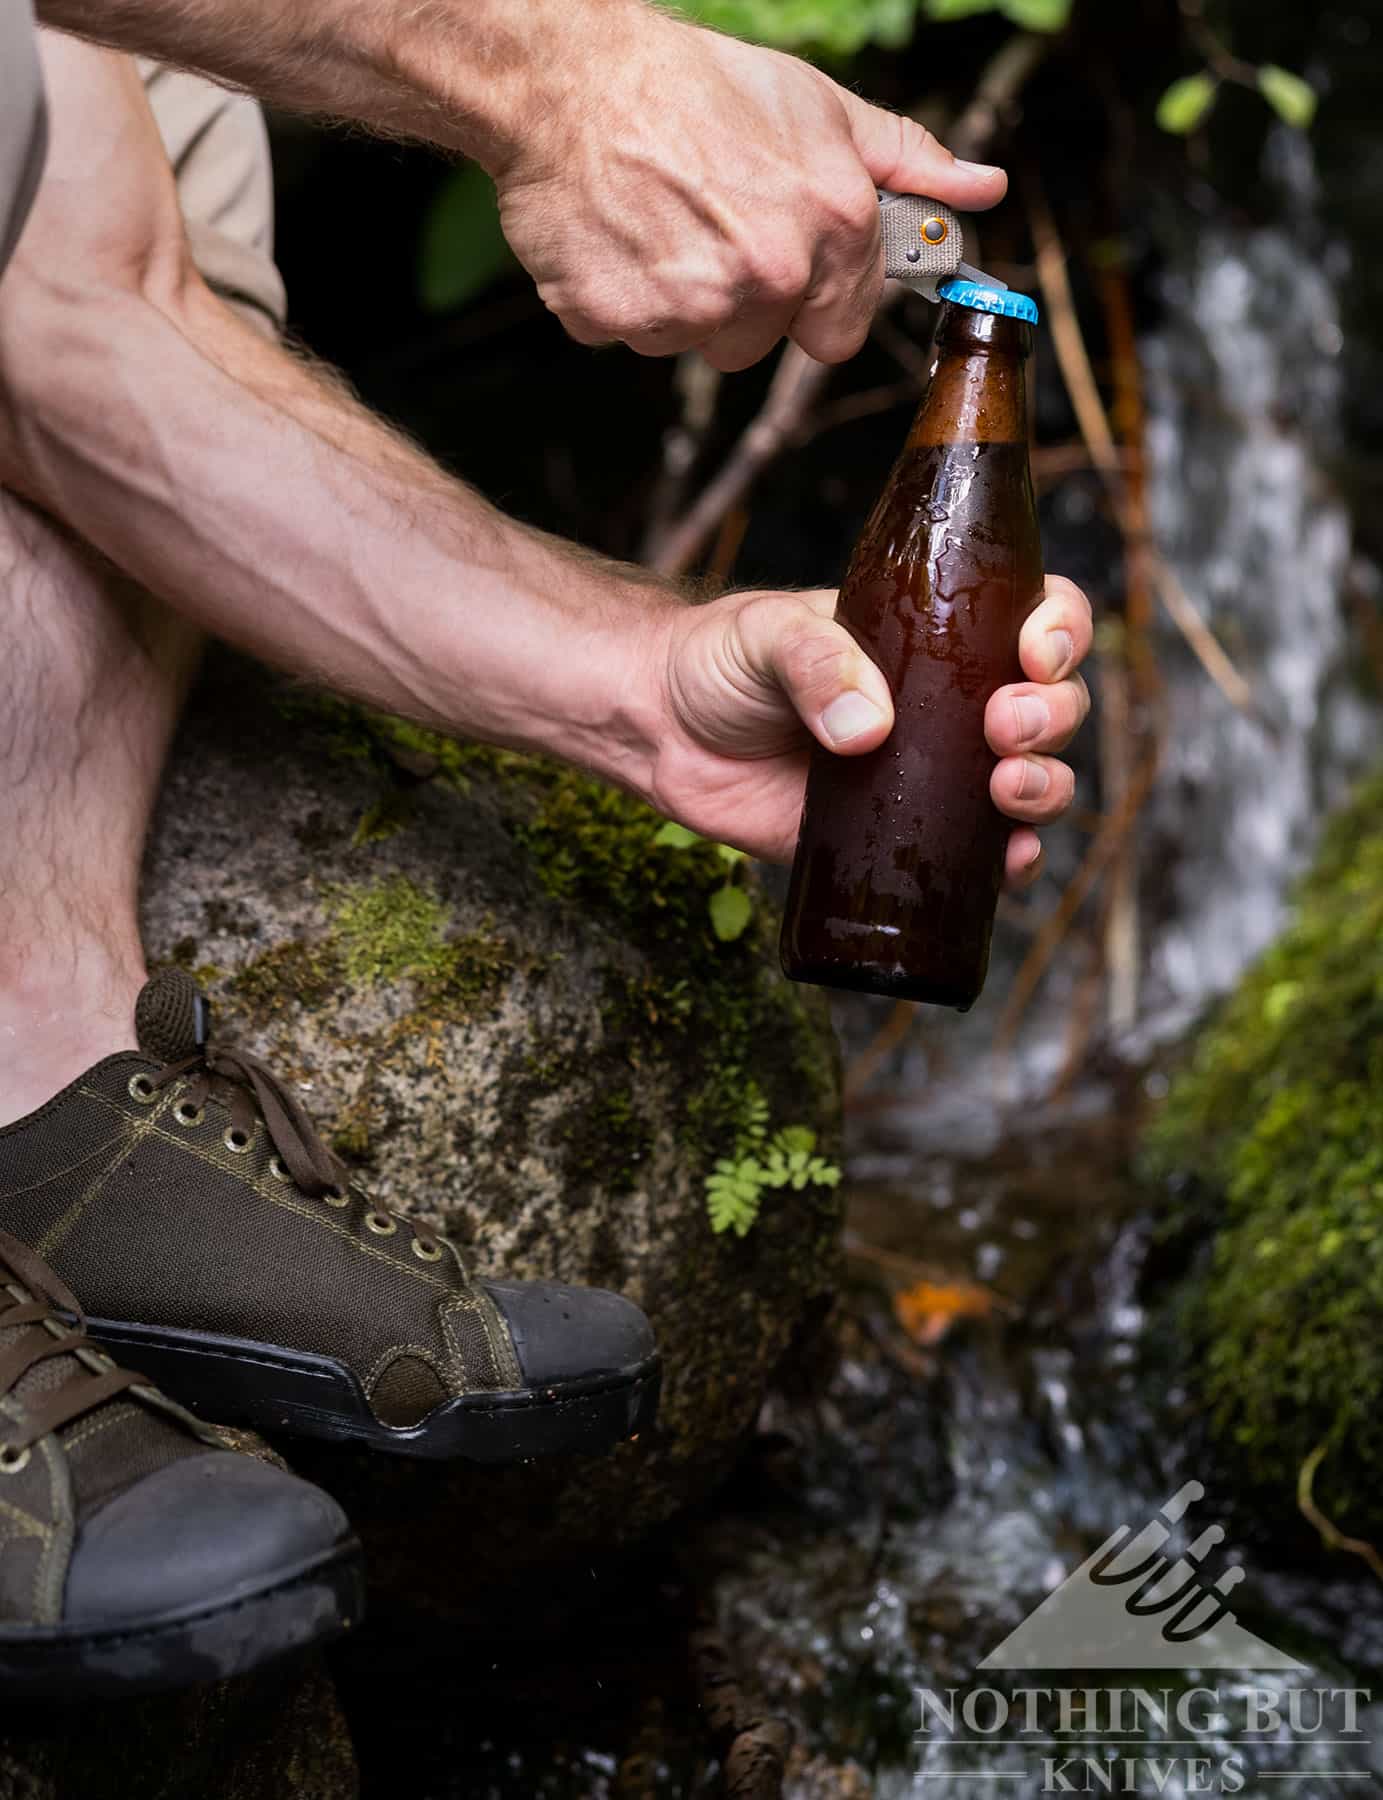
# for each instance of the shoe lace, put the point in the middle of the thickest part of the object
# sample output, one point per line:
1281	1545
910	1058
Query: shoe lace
249	1089
37	1299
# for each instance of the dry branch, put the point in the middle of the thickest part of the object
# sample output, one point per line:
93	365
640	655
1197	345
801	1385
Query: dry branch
1074	362
1331	1535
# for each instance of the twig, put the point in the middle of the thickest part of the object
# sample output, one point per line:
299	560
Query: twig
1331	1535
901	348
1117	738
751	1745
727	546
864	403
1103	848
795	384
899	1264
1081	385
797	381
902	1016
699	386
1202	639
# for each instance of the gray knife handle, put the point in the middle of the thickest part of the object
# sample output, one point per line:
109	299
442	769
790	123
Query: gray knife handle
923	240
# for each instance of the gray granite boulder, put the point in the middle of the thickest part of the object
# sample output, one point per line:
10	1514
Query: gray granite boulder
507	1007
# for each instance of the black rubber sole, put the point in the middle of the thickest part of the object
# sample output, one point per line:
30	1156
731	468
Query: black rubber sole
309	1606
235	1381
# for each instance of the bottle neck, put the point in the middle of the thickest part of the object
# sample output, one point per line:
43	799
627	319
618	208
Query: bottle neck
976	392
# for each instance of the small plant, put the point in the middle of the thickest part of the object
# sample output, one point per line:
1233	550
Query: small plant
735	1188
1188	102
730	905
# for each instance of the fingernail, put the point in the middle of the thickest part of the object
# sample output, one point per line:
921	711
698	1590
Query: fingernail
1062	649
979	168
1032	715
1035	780
849	716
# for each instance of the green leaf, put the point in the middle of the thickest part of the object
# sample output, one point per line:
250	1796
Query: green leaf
732	1196
836	27
1290	97
731	911
795	1137
1186	102
941	10
676	836
463	249
728	854
1037	15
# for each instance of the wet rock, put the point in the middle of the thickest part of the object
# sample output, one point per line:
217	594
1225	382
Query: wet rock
508	1008
278	1732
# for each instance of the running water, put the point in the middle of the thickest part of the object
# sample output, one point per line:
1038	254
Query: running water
1244	392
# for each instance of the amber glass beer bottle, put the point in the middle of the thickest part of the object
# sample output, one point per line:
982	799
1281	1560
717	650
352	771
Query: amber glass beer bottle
901	852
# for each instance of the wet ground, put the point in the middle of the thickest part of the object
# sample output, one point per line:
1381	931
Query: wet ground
980	1416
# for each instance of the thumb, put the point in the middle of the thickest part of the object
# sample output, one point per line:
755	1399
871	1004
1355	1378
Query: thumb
834	688
903	155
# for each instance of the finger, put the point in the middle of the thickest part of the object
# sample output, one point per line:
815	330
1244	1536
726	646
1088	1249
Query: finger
834	320
847	277
902	155
1033	715
1057	633
836	691
1022	859
1036	789
748	338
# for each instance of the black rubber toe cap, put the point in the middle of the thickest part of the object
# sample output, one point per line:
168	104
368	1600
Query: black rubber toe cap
566	1333
200	1532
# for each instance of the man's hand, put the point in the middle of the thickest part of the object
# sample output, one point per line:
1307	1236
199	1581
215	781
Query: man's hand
664	185
749	677
693	190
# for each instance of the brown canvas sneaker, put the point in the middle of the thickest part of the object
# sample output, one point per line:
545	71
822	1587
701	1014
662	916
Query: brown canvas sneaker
223	1250
138	1551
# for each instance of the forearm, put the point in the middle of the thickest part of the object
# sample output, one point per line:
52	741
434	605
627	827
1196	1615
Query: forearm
471	75
277	513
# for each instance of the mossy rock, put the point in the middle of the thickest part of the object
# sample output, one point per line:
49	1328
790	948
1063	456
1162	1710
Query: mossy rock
509	1011
1274	1133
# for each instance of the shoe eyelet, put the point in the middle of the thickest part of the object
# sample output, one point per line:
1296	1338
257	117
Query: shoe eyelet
235	1140
140	1088
337	1196
12	1460
380	1223
278	1170
427	1252
188	1115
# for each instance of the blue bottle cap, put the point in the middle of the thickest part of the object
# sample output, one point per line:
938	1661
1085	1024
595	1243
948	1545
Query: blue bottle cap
988	299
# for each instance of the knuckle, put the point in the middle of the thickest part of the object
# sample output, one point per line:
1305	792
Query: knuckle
810	657
852	212
781	275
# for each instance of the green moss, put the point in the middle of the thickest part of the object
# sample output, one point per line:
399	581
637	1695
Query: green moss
1278	1124
608	1142
298	972
594	847
392	928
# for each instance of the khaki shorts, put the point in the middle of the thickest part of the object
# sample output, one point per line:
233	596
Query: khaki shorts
219	149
